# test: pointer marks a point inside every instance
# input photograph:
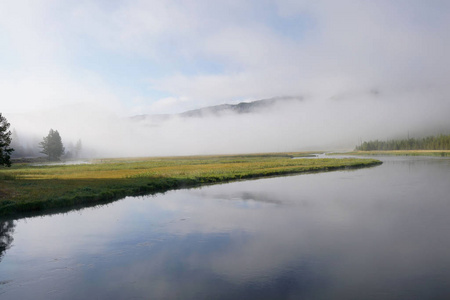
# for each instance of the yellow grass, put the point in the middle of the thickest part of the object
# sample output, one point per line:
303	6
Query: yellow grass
26	187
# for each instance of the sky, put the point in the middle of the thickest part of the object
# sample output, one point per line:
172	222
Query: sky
155	57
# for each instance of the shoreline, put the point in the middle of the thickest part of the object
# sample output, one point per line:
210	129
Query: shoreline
35	190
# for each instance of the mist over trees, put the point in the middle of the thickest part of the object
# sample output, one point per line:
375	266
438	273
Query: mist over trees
322	123
23	145
440	142
28	145
73	151
16	145
52	145
5	141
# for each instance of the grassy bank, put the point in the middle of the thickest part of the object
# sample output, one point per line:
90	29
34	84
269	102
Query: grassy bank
27	188
441	153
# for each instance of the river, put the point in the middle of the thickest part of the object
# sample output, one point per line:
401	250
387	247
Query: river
374	233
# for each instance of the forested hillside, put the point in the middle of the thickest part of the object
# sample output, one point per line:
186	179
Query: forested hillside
440	142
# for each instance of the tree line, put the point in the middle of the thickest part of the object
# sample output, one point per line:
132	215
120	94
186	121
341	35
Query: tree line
51	145
439	142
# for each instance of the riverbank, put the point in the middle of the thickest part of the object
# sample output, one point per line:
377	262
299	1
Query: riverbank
32	189
440	153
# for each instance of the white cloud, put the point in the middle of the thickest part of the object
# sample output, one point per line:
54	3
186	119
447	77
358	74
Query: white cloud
44	90
201	53
350	44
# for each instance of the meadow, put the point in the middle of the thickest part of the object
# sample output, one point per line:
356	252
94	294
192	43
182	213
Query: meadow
27	189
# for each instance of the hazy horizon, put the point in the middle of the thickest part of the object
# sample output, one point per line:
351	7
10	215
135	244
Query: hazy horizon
365	70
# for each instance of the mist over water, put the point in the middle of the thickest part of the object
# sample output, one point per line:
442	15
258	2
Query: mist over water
337	122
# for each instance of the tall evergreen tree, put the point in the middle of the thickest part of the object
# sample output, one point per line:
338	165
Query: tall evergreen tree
52	145
5	140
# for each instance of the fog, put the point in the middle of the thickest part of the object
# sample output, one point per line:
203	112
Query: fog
365	69
333	123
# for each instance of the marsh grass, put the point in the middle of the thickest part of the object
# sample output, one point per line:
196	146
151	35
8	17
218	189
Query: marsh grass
8	176
29	188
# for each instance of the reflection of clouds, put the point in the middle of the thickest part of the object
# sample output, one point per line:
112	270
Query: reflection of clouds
327	234
73	231
370	234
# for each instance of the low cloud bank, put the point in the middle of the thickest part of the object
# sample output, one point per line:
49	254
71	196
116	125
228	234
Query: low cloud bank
315	123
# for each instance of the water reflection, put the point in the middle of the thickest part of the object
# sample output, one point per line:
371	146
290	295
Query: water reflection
6	236
371	233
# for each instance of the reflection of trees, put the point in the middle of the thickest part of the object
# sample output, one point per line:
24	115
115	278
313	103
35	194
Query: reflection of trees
6	236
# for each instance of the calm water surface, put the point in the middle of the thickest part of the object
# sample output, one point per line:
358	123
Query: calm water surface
377	233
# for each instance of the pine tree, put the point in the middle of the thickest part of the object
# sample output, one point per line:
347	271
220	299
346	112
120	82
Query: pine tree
52	145
5	140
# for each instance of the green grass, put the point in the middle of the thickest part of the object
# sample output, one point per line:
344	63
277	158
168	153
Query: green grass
25	188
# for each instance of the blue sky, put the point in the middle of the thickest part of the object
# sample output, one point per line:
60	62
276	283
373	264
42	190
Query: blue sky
137	57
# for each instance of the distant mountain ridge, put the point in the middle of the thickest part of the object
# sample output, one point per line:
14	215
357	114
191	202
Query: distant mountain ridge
223	109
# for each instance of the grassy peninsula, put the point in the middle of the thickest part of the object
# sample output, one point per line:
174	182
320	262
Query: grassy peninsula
26	188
